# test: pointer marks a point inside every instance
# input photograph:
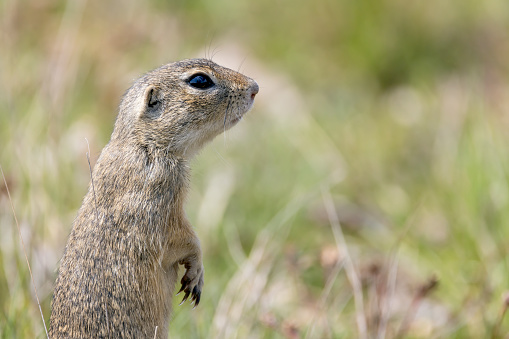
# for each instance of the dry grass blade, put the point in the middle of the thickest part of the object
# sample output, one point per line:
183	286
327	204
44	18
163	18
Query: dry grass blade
351	274
24	251
92	181
324	296
388	299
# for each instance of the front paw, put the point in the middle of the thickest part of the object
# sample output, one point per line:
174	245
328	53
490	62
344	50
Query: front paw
192	282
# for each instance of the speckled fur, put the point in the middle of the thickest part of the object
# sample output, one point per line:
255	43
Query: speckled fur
119	270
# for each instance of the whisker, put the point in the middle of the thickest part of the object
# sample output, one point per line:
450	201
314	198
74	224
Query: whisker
214	52
224	122
208	55
240	66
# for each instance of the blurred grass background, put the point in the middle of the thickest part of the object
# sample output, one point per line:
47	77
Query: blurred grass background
374	163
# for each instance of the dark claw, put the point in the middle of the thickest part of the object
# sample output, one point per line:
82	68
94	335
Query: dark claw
181	289
197	298
185	298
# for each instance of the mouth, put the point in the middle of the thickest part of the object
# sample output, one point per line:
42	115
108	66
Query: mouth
235	120
234	113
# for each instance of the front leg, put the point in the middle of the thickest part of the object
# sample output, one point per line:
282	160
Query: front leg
192	281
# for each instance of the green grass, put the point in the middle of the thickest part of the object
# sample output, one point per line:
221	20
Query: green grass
393	113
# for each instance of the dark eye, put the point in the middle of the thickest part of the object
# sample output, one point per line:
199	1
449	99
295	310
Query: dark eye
201	81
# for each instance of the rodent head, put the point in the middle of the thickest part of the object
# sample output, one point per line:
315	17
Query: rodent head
178	107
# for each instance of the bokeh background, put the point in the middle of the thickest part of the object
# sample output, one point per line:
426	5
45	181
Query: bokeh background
365	196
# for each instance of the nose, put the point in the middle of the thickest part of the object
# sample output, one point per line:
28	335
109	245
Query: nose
254	89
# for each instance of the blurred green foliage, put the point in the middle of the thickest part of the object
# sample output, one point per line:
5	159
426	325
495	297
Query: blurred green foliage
392	111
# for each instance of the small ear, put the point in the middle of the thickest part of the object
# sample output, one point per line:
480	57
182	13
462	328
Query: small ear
153	102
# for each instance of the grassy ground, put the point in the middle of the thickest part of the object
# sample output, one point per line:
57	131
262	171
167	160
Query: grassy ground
365	196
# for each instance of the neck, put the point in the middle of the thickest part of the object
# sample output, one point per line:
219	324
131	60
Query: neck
151	176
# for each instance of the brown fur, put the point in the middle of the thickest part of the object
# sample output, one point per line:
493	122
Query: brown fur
120	266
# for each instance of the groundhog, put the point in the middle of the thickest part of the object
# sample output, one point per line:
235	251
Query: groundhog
120	265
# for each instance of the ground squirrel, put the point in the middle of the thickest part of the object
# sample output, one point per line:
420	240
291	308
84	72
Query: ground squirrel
119	269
